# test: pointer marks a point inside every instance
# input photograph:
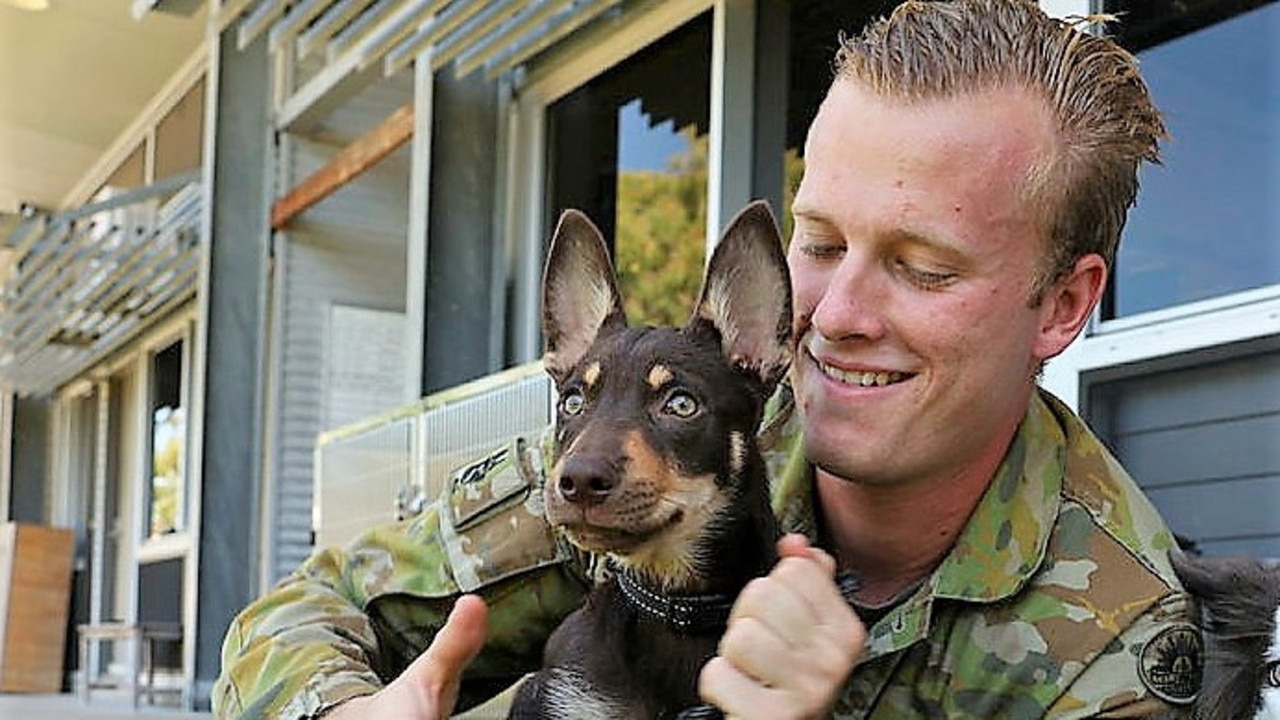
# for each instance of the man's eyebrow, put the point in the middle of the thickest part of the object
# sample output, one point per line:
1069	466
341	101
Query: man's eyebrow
941	247
801	212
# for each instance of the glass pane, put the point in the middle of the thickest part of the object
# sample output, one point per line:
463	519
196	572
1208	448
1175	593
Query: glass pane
1207	222
179	136
168	438
813	33
629	148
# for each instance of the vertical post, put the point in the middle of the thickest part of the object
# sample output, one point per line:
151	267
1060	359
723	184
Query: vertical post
731	154
528	206
6	450
89	667
415	301
773	63
234	279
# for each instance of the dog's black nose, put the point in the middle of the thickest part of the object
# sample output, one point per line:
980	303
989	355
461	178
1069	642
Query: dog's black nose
585	480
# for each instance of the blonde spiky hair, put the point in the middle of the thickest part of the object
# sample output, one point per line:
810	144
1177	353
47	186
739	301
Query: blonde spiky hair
1107	124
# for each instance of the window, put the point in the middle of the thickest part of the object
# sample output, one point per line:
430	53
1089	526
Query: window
178	143
1207	222
813	30
629	148
165	503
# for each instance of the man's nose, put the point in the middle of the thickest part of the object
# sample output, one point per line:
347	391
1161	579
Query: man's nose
853	302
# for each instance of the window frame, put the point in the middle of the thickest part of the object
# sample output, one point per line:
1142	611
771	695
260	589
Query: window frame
731	156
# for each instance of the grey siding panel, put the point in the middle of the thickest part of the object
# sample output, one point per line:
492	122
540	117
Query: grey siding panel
1222	511
1204	443
462	244
1241	447
349	249
318	276
1200	395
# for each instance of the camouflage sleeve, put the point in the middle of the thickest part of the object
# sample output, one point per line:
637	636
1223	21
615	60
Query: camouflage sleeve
349	620
1151	671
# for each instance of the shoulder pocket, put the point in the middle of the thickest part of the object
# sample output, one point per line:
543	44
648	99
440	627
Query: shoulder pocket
487	485
492	521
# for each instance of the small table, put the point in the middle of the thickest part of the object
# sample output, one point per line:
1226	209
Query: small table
143	635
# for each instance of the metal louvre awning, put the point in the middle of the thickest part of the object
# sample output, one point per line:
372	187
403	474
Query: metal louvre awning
496	35
88	280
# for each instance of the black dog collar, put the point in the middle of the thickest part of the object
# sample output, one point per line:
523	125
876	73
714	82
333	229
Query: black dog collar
686	614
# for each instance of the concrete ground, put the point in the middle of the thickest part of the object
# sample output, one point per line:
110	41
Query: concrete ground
108	704
102	705
114	705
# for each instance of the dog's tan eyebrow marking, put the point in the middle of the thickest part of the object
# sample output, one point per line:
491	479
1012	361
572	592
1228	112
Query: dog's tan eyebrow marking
660	375
592	374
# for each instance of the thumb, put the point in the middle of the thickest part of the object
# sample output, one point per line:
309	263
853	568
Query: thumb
797	545
438	670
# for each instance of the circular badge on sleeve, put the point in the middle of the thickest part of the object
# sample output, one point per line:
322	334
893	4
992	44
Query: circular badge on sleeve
1171	664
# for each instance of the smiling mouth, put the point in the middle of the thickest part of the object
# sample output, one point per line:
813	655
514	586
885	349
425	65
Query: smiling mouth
862	378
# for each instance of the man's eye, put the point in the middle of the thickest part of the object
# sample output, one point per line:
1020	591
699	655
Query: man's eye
922	278
681	404
572	402
1273	674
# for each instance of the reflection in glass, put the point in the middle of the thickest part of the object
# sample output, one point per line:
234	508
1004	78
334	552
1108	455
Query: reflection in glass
630	149
1207	222
168	438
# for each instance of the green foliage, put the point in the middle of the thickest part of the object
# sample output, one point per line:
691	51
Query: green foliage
793	170
166	472
662	220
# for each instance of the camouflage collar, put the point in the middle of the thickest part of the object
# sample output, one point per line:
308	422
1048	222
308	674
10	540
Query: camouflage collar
999	549
1005	540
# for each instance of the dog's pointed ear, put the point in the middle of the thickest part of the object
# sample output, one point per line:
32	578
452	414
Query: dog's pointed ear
579	293
746	295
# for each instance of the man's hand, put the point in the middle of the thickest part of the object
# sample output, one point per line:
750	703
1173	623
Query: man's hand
427	689
791	642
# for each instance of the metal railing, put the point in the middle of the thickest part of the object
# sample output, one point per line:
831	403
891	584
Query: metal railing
87	280
389	466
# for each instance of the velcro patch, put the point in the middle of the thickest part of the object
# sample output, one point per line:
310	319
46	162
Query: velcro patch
1171	664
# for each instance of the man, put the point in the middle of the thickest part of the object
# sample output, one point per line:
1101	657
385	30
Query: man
967	179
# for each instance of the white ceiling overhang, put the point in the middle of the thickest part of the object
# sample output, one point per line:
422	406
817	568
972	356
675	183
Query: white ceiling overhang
354	36
90	279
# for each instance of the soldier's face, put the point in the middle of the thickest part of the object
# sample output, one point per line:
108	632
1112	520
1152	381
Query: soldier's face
913	258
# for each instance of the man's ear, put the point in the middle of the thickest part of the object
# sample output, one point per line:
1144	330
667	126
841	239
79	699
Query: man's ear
579	293
746	295
1068	303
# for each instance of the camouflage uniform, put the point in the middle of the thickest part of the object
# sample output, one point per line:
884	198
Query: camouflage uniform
1056	601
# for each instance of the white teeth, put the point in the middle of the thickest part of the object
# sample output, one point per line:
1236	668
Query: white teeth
863	379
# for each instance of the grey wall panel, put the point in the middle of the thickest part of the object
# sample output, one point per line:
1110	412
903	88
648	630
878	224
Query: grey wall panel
1263	547
1239	447
1204	442
1223	510
238	260
462	244
349	249
319	275
30	454
1200	395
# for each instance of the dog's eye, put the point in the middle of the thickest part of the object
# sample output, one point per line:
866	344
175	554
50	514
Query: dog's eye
681	404
572	402
1273	674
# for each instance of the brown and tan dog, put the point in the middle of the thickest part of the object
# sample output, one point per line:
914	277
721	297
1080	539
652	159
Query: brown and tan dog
657	469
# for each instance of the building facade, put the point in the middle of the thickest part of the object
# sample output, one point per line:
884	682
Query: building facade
354	213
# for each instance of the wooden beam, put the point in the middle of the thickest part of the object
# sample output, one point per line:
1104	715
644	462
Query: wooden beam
353	161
